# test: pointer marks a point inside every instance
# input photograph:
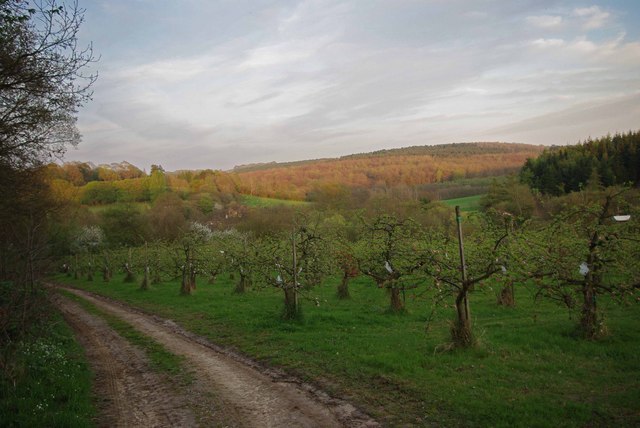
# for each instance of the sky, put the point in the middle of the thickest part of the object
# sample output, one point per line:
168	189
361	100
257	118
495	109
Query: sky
194	84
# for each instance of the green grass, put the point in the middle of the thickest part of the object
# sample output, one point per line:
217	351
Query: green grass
99	209
161	359
528	370
47	382
468	204
260	202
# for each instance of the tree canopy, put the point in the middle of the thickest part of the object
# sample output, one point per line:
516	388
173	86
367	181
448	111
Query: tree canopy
43	79
558	170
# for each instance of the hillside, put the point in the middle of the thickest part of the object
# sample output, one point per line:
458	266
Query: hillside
419	171
410	166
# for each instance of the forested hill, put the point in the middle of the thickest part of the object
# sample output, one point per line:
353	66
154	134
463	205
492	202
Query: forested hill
441	150
410	166
608	161
451	150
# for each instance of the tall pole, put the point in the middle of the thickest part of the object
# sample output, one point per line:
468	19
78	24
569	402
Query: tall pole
295	272
463	265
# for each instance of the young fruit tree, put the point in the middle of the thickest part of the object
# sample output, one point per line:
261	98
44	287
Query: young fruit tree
87	244
240	252
588	251
192	243
393	253
294	263
342	236
458	266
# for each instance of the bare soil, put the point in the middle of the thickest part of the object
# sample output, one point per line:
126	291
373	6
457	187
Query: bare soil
234	390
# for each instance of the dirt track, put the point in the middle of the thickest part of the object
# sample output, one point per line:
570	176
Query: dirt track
247	395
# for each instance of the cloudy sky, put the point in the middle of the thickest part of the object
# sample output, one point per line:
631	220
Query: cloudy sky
217	83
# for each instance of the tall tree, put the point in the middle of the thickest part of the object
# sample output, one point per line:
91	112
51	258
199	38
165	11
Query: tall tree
43	80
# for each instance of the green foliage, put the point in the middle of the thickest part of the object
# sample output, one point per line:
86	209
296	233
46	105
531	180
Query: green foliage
510	196
559	170
123	225
99	192
294	262
585	254
393	253
157	183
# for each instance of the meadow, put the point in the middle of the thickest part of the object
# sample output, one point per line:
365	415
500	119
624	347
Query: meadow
468	203
528	369
262	202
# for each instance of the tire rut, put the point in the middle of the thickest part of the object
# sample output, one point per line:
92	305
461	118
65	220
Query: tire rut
257	398
129	392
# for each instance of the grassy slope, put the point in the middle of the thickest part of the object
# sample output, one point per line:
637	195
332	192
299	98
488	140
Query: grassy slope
528	371
469	204
99	209
257	201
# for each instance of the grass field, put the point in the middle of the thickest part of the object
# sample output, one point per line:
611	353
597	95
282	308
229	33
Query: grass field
468	204
527	371
260	202
99	209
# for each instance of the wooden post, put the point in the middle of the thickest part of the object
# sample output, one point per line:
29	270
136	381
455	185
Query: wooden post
463	265
295	273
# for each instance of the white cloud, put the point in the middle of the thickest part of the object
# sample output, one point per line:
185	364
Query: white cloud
548	43
545	21
592	17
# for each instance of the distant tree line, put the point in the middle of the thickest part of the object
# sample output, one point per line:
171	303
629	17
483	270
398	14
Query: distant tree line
609	161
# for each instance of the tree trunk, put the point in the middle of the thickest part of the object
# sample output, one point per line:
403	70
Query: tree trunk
590	325
185	285
130	276
291	308
145	279
106	274
192	278
343	288
155	278
397	305
241	286
461	333
506	296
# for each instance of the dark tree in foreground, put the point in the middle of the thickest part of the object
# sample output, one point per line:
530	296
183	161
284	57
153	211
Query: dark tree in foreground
43	80
42	84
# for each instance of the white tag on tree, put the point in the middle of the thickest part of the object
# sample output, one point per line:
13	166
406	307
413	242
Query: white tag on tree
584	269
